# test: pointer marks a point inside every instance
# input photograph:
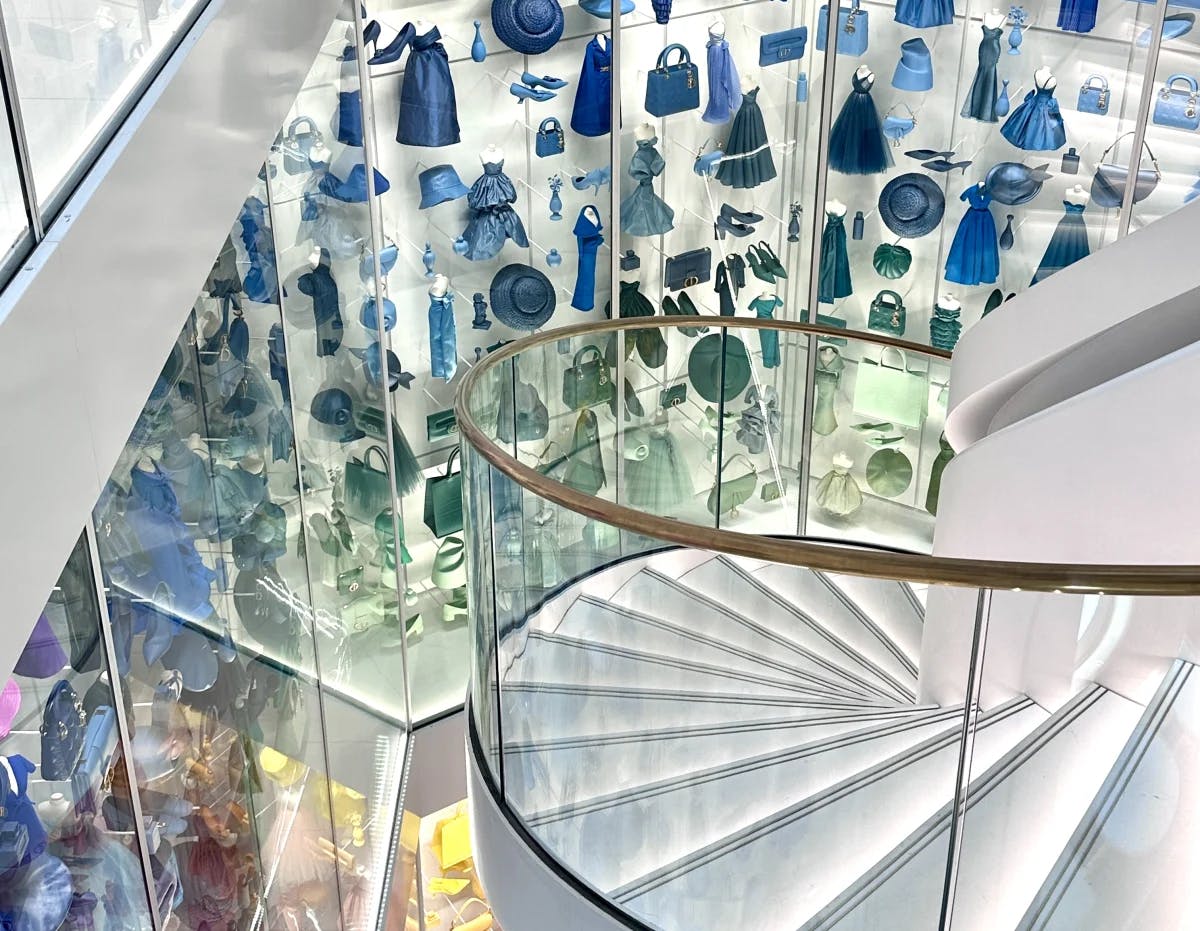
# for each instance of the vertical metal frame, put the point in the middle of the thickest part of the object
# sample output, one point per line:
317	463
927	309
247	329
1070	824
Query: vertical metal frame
614	232
1143	117
17	134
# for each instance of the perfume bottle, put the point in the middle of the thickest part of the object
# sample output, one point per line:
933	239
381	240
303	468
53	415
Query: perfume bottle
429	259
478	49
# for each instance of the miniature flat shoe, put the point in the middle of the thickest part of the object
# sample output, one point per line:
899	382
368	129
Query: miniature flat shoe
521	92
545	81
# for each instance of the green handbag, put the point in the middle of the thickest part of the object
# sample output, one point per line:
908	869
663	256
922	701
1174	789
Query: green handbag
367	490
585	465
443	500
887	314
588	381
440	425
890	391
732	493
673	396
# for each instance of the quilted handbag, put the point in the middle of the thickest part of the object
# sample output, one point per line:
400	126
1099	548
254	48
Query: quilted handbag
1176	106
443	500
852	29
63	726
367	490
588	381
1109	181
673	88
775	48
887	314
890	391
688	268
1094	95
303	139
551	140
731	493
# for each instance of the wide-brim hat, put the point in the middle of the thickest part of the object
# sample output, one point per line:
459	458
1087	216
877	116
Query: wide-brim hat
704	367
912	205
914	70
891	260
522	297
603	8
1014	184
353	190
889	472
440	184
527	26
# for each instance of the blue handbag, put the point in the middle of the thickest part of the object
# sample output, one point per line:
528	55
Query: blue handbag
99	744
63	723
852	23
1177	106
777	47
673	88
896	128
550	138
1093	95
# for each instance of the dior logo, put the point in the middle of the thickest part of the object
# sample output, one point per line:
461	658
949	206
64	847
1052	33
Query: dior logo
690	281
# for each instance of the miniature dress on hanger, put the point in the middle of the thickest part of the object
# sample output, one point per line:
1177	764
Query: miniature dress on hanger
1068	245
428	107
923	14
592	113
857	145
974	255
834	279
1036	125
443	337
747	162
493	219
661	480
829	373
981	100
724	87
1077	15
764	309
721	285
644	213
589	238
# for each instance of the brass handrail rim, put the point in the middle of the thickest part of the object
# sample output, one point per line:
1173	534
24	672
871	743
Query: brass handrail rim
1104	578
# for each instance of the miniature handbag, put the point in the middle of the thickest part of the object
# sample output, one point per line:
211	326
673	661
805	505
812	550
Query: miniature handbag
588	381
852	26
585	465
63	725
1093	95
522	408
99	744
775	48
727	494
688	269
443	500
897	127
1177	107
673	88
887	314
298	146
551	140
367	490
891	392
1109	181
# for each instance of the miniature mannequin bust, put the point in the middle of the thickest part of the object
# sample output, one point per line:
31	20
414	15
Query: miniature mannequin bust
1044	77
314	257
863	73
441	284
644	132
1079	195
716	26
995	19
750	79
491	153
949	302
602	38
836	207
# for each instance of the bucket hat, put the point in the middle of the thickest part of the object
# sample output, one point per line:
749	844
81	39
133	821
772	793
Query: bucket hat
912	205
527	26
889	472
440	184
704	367
603	8
353	190
1014	184
914	70
372	363
522	297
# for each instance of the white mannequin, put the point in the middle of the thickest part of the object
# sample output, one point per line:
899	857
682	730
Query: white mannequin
995	19
314	257
1044	78
836	207
716	26
1079	194
441	284
603	40
750	79
768	295
949	302
422	27
644	132
865	74
491	153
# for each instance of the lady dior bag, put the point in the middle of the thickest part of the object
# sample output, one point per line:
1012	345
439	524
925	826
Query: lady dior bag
673	88
1093	95
1176	105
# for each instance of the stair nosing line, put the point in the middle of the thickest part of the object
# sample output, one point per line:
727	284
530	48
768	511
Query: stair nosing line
853	606
740	767
939	822
771	635
700	697
662	624
811	622
1083	839
781	819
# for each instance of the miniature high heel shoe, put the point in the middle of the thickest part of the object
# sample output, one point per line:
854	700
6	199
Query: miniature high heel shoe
756	266
770	260
371	33
593	178
729	213
545	81
395	48
725	225
521	92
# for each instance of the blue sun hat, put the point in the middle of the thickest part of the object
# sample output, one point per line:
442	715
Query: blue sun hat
1015	184
528	26
522	297
912	205
914	71
354	189
440	184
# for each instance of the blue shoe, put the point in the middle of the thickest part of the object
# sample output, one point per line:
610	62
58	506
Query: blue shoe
521	92
395	48
593	178
1174	26
546	81
726	225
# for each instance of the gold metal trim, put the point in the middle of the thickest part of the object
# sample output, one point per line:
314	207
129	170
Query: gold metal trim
847	558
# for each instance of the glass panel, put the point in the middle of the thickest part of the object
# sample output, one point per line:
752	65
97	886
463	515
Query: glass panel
71	850
13	220
76	67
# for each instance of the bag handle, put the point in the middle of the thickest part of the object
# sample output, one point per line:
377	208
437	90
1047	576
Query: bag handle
730	461
912	116
382	455
1096	77
550	125
1169	85
450	462
578	360
1145	145
685	57
903	366
899	303
299	121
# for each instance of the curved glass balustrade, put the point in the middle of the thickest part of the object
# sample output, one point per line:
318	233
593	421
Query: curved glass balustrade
761	728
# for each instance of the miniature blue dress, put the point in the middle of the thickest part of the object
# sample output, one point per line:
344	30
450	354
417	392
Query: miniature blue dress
923	14
974	256
644	213
443	337
834	277
589	237
592	113
857	145
747	162
1067	246
981	99
724	87
493	219
764	309
428	107
1036	125
1077	15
